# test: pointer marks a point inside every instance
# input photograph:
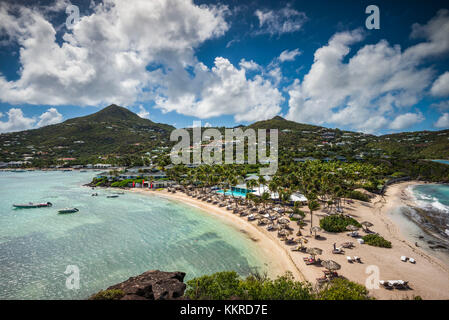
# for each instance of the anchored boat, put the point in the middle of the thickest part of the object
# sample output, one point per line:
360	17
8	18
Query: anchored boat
32	205
112	196
68	210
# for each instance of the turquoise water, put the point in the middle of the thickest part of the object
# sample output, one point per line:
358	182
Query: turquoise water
434	198
442	161
108	239
233	193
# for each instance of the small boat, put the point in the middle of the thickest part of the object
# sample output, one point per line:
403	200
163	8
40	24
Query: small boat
94	194
68	210
112	196
32	205
119	192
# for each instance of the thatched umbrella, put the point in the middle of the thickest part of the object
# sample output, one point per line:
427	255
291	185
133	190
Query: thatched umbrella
352	227
283	221
259	216
367	224
331	265
314	251
316	229
283	233
274	226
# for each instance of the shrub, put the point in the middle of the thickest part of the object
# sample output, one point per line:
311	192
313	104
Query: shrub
357	195
112	294
376	241
228	284
343	289
337	223
218	286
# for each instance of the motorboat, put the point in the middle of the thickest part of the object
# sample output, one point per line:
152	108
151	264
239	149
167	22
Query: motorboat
68	210
32	205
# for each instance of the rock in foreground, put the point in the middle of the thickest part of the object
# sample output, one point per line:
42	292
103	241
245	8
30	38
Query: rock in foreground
150	285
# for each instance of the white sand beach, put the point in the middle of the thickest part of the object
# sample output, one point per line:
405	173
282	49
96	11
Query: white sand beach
428	278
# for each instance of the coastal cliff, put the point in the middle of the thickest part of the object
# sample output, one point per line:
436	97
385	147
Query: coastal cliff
150	285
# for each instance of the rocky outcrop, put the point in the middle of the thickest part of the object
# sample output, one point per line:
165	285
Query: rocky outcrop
150	285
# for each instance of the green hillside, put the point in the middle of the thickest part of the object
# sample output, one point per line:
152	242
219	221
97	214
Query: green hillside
112	132
118	136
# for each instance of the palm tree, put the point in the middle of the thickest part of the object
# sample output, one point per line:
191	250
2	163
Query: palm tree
313	206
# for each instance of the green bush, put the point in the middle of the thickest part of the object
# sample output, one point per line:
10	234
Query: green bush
228	284
376	241
218	286
357	195
343	289
112	294
337	223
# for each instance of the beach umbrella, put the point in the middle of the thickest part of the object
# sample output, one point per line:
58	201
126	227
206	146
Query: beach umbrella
273	226
331	265
316	229
283	232
284	221
352	227
367	224
296	216
314	251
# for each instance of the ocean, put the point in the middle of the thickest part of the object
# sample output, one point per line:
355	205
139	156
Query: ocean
434	199
108	240
426	220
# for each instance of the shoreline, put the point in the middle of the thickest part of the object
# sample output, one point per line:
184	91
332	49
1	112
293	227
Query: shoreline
261	236
429	277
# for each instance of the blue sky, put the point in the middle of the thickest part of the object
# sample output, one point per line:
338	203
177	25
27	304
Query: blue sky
227	62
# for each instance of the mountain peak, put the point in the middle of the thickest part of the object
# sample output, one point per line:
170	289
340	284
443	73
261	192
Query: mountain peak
278	118
113	112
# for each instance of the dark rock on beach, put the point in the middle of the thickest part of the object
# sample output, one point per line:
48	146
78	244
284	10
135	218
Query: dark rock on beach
150	285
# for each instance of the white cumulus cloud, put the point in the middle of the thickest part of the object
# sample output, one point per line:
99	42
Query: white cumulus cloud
51	116
443	121
222	90
287	55
277	22
406	120
143	113
374	86
104	59
441	85
16	121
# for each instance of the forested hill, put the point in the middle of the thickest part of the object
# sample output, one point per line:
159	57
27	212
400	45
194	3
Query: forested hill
118	136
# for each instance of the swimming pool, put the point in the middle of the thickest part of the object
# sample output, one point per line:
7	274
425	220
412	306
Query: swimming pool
234	193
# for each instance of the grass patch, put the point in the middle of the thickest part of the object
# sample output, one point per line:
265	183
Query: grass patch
112	294
337	223
376	241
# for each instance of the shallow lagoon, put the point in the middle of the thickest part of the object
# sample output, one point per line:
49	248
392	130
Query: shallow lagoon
108	239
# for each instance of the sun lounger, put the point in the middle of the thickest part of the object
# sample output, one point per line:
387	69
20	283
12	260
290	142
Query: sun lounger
404	258
337	251
349	259
386	284
347	245
412	260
